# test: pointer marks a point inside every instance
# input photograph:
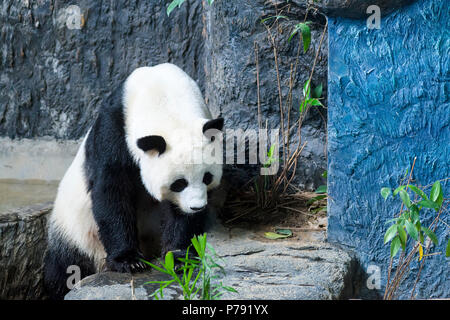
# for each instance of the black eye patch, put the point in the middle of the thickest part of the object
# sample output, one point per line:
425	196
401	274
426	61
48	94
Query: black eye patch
178	185
207	178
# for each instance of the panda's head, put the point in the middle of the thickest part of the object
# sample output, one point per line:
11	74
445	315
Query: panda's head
183	166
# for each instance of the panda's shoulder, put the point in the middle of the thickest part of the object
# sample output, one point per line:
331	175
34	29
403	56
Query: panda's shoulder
107	136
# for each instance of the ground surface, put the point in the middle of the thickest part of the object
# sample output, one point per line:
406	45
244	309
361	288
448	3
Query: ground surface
301	267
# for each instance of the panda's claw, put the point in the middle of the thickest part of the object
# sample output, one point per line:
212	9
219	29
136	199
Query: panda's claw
129	263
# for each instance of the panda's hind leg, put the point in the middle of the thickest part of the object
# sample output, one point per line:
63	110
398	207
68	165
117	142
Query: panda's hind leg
59	257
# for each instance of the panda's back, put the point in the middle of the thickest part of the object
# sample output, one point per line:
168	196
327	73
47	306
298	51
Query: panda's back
164	92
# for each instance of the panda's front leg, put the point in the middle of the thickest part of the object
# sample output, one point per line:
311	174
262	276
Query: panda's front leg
113	206
179	228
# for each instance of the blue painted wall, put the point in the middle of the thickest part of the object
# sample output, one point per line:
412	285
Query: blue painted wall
388	101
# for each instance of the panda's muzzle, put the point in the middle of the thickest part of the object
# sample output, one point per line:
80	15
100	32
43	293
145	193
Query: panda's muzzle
198	208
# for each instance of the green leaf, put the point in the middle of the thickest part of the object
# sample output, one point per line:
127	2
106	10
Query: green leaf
230	289
173	5
325	174
274	236
306	35
196	245
306	90
428	204
273	17
405	198
317	92
390	233
155	266
285	232
270	153
319	209
321	189
169	261
318	198
418	192
395	246
397	190
315	102
435	191
305	32
414	213
402	236
302	106
385	192
411	229
430	235
447	250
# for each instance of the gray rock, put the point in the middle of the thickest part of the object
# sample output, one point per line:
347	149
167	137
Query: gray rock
258	268
23	242
120	286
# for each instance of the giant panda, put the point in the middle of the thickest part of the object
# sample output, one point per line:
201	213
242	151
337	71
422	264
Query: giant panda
135	165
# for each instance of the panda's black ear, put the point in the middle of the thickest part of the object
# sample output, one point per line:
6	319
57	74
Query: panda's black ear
213	124
152	143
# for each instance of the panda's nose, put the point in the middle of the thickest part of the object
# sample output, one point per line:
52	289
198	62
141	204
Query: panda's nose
198	208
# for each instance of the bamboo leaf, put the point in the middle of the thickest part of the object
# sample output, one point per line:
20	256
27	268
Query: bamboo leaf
385	192
402	236
321	189
169	261
395	246
435	191
405	198
411	229
390	233
398	189
418	192
428	204
275	236
173	5
317	92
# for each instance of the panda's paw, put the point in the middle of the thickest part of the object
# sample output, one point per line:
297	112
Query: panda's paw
127	263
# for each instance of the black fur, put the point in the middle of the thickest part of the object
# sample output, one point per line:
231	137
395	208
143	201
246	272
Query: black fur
59	257
152	143
114	184
213	124
179	228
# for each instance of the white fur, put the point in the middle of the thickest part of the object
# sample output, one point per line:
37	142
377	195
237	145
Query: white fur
72	214
163	100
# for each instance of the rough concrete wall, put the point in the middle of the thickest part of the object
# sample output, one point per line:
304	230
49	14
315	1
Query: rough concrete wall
231	87
36	159
23	242
388	103
53	79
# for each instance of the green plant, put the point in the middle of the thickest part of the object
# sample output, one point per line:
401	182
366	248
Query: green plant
198	273
409	224
268	195
305	32
177	3
322	195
